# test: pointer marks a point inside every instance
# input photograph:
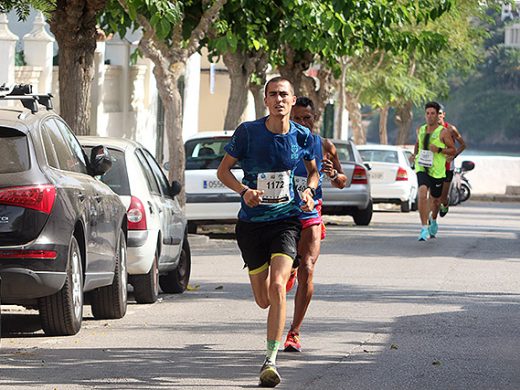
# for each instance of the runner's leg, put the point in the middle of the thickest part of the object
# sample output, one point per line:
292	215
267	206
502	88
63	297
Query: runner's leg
309	250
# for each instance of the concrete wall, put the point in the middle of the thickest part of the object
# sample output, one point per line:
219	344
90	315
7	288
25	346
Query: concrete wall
492	174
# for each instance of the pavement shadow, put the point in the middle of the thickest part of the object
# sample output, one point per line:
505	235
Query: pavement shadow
476	347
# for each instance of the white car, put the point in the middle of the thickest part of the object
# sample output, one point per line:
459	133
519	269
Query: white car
392	177
158	248
208	201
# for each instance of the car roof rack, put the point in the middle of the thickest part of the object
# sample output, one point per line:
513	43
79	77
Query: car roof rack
23	93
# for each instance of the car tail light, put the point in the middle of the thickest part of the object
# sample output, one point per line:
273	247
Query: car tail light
401	174
27	254
359	176
136	215
39	198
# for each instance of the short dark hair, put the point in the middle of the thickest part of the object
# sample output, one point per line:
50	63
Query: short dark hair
304	101
435	105
278	79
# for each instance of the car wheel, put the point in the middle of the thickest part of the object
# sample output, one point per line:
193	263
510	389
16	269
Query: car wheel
363	216
192	228
61	314
110	302
415	204
465	192
176	281
146	287
406	206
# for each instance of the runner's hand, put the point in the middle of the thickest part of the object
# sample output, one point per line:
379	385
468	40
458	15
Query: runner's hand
327	167
253	197
307	203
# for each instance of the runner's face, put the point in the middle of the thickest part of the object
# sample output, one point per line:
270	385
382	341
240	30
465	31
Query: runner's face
279	98
441	117
432	116
304	116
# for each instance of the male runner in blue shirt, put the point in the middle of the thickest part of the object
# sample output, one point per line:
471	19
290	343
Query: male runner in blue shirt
268	228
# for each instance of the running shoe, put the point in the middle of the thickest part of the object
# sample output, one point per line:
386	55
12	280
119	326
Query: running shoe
443	210
292	280
424	234
292	343
269	376
433	227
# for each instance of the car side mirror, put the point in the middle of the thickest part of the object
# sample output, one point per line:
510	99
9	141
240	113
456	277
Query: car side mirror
368	166
100	160
175	188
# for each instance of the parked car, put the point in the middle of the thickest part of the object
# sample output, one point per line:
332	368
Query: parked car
62	232
158	249
208	201
392	177
355	198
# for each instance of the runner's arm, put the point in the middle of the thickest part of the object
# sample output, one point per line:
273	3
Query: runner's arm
313	180
251	197
450	149
460	141
332	166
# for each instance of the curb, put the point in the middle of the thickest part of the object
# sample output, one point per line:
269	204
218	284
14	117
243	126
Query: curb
495	198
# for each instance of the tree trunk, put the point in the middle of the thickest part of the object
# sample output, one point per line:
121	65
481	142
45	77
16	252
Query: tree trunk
403	120
319	91
383	120
239	74
356	120
73	23
258	94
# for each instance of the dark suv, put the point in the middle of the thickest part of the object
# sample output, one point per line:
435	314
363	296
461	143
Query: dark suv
62	231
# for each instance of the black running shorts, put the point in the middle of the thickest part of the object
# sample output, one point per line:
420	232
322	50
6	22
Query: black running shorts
435	185
259	240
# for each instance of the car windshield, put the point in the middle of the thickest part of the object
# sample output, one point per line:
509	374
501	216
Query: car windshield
14	151
344	152
374	155
116	177
205	153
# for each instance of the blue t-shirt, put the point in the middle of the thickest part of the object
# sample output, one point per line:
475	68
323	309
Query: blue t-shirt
300	177
260	151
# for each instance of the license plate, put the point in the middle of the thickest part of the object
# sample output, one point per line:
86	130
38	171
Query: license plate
211	184
376	175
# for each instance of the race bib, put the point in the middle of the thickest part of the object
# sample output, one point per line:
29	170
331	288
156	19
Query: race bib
276	186
426	158
300	184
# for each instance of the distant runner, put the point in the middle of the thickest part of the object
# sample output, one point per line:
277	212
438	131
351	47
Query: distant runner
450	161
432	147
313	229
269	149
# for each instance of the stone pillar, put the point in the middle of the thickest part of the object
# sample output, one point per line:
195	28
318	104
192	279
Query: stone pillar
7	49
190	118
97	109
118	53
38	51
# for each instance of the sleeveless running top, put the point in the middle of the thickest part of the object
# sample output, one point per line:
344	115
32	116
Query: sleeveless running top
438	167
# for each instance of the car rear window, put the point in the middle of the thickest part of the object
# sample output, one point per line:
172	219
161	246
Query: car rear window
205	153
14	151
344	152
116	177
386	156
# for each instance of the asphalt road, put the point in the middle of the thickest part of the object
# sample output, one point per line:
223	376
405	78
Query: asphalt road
389	312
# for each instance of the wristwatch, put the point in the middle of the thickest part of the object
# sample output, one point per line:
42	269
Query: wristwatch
313	190
335	176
